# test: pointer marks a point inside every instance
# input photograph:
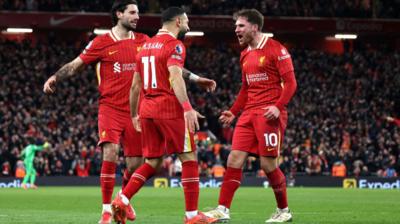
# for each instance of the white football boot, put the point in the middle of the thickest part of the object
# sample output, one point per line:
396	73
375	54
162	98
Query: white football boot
281	215
221	213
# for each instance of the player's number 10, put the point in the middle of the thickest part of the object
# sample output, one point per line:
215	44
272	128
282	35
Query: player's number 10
146	61
271	139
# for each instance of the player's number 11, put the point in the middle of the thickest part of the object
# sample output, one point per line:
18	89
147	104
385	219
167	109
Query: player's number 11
146	61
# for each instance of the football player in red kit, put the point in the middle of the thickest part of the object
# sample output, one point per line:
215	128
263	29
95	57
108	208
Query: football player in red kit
167	119
115	57
268	84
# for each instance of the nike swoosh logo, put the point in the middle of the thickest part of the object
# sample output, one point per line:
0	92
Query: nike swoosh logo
270	149
56	22
112	52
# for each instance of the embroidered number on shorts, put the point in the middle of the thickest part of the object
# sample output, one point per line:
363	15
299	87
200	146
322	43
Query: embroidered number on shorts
271	140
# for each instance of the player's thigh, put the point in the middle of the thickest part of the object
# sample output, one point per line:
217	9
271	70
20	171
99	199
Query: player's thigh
178	139
109	128
31	171
269	135
153	142
131	140
244	138
28	166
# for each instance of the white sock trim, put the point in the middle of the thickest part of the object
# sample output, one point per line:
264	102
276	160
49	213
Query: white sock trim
106	208
223	208
284	209
191	214
125	200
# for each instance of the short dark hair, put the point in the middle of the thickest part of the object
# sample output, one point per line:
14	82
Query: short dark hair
253	16
119	6
169	14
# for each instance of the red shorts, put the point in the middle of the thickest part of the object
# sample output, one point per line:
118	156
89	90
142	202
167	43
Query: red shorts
166	136
257	135
116	127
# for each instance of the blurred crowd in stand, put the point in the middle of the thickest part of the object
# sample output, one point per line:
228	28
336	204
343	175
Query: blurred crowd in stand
337	119
297	8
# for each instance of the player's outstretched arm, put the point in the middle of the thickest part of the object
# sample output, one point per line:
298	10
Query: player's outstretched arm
179	87
64	72
38	147
208	84
134	100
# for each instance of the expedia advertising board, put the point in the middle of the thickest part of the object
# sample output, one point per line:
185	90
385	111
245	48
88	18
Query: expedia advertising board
174	182
206	182
372	183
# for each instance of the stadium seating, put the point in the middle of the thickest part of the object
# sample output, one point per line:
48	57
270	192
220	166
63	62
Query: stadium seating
337	115
315	8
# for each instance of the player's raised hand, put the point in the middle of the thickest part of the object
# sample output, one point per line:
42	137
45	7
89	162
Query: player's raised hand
226	117
271	112
208	84
50	85
191	121
136	124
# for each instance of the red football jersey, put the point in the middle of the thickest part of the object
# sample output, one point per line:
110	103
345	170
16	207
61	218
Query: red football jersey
115	66
159	100
262	70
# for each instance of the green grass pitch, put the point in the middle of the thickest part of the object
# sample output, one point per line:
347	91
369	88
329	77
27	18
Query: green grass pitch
77	205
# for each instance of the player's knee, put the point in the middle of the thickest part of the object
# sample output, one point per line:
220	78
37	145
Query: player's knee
188	156
132	163
110	152
155	163
268	164
130	168
236	159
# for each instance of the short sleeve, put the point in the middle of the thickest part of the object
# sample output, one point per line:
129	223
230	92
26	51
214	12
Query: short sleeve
92	52
283	60
177	54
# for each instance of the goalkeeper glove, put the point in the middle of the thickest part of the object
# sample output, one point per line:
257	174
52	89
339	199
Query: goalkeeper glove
46	145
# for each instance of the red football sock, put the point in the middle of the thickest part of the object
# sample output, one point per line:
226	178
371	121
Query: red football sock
138	178
190	183
107	180
231	183
277	181
125	178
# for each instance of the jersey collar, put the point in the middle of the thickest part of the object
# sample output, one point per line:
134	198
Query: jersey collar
116	38
261	44
164	31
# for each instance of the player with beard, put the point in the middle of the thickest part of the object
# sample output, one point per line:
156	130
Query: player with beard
114	55
167	120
